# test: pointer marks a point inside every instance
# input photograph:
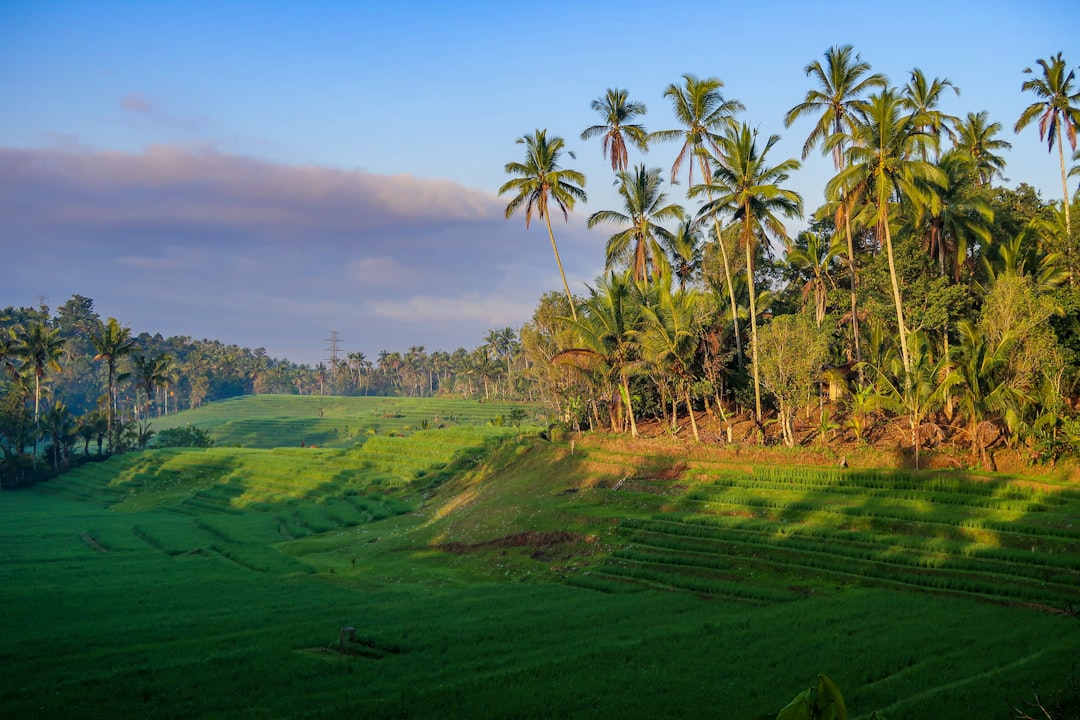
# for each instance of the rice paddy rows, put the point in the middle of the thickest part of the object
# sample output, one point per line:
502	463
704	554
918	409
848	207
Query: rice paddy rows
269	421
733	533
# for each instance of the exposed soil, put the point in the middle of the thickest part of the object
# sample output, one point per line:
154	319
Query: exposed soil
533	539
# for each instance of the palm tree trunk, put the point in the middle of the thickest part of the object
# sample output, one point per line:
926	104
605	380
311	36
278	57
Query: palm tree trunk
727	272
854	311
1064	189
690	409
896	299
625	388
569	297
748	241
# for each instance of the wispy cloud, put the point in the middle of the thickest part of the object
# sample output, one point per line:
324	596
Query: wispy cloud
200	242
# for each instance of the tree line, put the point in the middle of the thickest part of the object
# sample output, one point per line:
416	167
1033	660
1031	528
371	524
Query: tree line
75	387
921	295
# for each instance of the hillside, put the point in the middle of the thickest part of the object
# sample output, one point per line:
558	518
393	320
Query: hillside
490	572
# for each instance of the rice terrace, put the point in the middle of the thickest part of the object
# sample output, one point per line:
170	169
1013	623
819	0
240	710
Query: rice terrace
481	568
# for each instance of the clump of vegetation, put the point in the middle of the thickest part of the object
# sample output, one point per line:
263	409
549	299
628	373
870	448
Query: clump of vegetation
186	436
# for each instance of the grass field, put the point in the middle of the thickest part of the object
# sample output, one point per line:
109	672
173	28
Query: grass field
490	573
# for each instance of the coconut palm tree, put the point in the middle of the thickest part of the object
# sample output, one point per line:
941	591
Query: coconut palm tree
112	342
975	135
606	345
150	372
540	180
703	114
882	164
685	252
617	113
744	184
669	340
842	82
918	388
955	216
645	207
810	253
39	349
1058	112
921	97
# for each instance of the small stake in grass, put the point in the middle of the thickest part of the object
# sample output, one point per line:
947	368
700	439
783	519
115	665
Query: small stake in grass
346	634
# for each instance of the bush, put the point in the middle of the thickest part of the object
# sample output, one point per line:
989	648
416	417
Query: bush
187	436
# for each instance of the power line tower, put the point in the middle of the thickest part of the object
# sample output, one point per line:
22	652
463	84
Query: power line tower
333	348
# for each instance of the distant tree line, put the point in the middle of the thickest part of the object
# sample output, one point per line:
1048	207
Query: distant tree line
75	387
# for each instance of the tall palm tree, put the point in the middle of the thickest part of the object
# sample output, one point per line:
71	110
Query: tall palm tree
617	113
540	180
744	184
112	342
39	348
1058	112
975	135
921	97
842	83
645	207
150	372
703	114
881	164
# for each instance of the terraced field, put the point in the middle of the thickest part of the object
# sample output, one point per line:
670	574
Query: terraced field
779	533
273	421
489	572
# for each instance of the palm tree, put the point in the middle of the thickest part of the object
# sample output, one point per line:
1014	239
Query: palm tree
606	348
881	164
1058	112
745	185
810	253
669	339
975	135
685	251
842	82
60	426
150	372
539	180
918	388
838	101
703	114
39	348
921	97
112	342
955	215
617	112
644	206
985	395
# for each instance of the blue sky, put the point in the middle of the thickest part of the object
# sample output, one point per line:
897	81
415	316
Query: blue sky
263	173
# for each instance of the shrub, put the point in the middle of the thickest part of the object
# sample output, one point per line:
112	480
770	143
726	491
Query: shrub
186	436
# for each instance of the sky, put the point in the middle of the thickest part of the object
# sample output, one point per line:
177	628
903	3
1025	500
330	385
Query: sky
264	173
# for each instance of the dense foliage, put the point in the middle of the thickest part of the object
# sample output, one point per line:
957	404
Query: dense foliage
923	303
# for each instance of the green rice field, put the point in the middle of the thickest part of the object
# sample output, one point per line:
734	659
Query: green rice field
489	573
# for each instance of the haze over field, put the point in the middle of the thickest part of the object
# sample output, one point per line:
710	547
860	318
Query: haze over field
264	174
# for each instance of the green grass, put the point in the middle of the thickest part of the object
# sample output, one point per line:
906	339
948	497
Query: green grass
493	574
273	421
